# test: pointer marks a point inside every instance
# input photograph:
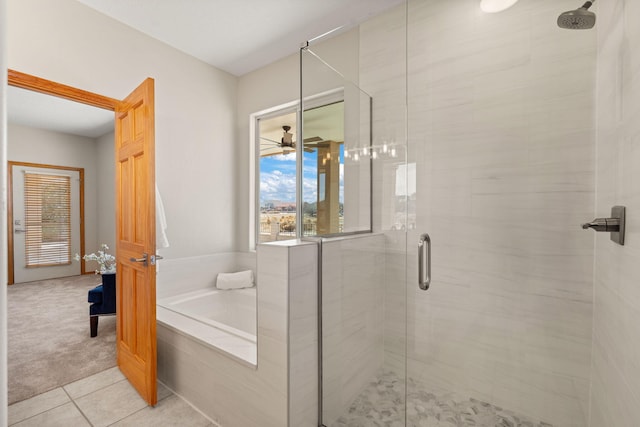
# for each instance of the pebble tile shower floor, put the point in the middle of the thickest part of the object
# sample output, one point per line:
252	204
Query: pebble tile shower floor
382	404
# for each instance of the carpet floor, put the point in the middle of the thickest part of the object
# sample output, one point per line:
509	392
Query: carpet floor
49	343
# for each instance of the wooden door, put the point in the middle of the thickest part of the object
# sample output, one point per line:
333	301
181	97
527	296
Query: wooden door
136	240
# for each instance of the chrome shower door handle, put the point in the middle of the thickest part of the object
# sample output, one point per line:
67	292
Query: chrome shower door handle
424	280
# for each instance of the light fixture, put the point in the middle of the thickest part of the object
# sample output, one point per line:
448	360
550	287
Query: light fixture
493	6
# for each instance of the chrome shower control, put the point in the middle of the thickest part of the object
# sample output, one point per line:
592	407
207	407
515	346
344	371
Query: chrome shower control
613	225
603	224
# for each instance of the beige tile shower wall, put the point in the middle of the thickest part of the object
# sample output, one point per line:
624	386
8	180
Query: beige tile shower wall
383	76
303	334
352	303
615	395
500	127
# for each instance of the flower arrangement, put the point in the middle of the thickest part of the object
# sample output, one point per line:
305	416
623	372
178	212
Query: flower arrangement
106	262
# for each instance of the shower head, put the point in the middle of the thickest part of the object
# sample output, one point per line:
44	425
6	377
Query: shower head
579	19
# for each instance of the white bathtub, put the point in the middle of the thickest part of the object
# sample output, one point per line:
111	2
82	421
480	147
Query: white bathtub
224	320
233	311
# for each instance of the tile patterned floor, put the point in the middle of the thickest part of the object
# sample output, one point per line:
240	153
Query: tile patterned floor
382	404
101	400
107	399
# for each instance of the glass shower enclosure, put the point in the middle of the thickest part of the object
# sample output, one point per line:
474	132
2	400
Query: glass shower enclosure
477	138
359	340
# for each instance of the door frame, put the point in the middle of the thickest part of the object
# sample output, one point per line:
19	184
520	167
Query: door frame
48	87
10	247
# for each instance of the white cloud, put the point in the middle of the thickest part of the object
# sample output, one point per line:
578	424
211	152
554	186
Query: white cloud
310	191
291	157
277	186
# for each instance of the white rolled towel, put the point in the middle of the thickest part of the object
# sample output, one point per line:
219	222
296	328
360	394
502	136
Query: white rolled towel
239	280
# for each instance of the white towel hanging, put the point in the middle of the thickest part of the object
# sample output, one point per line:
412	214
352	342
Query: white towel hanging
161	223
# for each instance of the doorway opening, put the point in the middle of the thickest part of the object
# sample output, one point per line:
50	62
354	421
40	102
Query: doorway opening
134	130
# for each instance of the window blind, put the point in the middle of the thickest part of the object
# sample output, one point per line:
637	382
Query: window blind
47	219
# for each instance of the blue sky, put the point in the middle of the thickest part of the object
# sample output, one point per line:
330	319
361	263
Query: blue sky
278	177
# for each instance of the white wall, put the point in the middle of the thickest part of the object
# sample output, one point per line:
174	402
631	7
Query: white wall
70	43
106	198
615	385
27	144
3	213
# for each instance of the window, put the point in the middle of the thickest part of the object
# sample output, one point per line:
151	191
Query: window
277	177
326	181
322	175
47	219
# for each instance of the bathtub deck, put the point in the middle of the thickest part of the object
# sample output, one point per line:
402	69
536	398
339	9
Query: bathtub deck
233	346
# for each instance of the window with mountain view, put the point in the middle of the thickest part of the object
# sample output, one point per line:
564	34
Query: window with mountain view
323	183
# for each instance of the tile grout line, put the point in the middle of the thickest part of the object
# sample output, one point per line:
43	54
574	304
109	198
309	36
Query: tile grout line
41	412
77	407
174	393
102	388
135	412
93	391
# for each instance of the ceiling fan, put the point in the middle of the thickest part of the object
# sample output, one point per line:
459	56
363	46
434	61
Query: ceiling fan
288	144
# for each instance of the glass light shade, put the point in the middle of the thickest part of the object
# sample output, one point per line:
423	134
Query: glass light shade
493	6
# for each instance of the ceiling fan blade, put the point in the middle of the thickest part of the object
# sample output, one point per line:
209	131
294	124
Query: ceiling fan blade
270	154
313	139
271	140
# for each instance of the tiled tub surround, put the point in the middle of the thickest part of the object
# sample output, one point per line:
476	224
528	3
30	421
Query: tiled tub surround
500	128
281	389
183	275
353	271
191	304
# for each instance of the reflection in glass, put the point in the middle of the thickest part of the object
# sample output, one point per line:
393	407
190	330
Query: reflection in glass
336	128
323	174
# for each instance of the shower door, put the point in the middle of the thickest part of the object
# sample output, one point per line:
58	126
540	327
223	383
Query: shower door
500	133
362	290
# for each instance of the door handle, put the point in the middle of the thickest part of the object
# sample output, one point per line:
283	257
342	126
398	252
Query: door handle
424	280
154	258
142	260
